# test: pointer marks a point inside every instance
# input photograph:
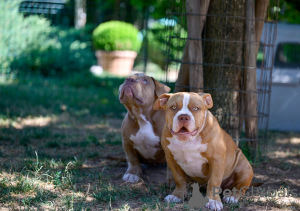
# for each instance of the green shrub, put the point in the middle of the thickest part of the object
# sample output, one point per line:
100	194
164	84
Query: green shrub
158	39
116	35
31	44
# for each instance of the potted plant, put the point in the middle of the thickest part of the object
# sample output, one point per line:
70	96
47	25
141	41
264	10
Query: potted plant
116	45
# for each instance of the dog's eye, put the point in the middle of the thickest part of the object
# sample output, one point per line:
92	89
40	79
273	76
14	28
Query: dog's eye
174	107
145	81
196	109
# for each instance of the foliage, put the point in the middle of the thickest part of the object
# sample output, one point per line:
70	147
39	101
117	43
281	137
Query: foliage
31	44
116	35
157	40
287	55
289	11
131	11
157	8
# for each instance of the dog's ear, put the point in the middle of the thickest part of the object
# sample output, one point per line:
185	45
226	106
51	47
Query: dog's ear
161	101
160	88
120	87
207	99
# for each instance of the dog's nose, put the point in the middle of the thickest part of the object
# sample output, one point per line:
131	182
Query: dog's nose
184	118
130	80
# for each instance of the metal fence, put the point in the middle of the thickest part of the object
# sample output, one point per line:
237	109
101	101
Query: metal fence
223	44
222	50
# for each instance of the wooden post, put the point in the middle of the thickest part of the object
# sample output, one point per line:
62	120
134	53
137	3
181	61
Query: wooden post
261	7
183	75
251	119
195	23
192	74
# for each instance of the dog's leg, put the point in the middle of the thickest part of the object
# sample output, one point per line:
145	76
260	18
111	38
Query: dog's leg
214	182
134	170
243	177
179	178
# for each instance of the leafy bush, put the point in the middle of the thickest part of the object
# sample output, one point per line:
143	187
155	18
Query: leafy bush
31	44
116	35
158	41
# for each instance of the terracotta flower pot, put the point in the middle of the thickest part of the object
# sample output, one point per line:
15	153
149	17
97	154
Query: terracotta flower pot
116	62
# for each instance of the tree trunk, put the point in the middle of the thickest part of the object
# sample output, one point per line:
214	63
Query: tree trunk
195	23
261	7
183	75
254	30
191	74
251	119
223	61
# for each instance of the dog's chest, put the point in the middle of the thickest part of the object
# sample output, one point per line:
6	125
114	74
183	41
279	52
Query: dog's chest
188	155
145	140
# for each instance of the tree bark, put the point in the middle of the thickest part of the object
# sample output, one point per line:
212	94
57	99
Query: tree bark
224	60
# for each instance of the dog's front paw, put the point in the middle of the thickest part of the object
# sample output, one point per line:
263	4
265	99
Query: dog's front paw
230	199
130	178
214	205
172	198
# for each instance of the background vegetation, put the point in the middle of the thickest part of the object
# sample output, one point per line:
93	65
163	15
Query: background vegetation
33	45
116	35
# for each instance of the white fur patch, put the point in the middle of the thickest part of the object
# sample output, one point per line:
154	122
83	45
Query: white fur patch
145	141
187	154
130	178
214	205
183	110
172	198
230	199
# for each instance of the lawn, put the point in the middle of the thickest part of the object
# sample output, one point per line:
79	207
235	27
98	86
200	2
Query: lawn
61	149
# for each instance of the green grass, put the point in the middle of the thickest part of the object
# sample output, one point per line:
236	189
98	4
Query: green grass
79	95
54	136
50	129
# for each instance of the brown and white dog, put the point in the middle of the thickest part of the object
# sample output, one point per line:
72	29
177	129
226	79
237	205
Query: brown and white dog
196	147
142	126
